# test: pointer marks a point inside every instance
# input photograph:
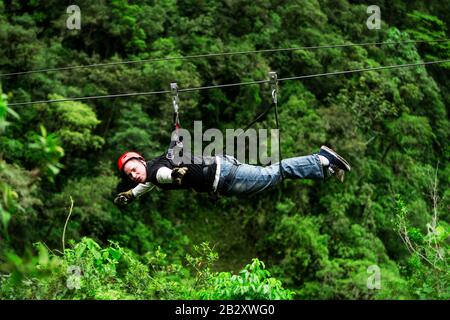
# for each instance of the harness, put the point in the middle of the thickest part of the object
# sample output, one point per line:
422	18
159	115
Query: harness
176	142
273	80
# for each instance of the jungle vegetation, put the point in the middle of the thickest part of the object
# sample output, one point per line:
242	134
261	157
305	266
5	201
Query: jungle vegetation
301	240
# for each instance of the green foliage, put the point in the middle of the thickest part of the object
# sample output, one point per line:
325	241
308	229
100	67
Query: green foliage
137	136
15	206
88	271
74	122
47	152
4	111
301	246
327	268
202	261
7	195
19	197
93	213
413	134
252	283
8	203
425	26
427	266
31	277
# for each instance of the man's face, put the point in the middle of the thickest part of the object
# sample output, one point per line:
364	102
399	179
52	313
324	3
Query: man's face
135	170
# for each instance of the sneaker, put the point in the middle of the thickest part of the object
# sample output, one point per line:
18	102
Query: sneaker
338	165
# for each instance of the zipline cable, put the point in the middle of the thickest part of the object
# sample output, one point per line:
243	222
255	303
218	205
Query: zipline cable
107	96
273	78
232	84
365	69
209	55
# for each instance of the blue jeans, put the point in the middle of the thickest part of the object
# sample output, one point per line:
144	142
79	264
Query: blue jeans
251	179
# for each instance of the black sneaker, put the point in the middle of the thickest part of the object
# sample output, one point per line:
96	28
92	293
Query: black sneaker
338	165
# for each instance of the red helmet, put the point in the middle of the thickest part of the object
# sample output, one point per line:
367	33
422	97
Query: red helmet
126	157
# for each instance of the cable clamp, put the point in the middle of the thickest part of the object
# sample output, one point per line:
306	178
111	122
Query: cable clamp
273	80
175	98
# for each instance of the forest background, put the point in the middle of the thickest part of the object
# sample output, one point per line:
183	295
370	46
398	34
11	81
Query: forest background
382	234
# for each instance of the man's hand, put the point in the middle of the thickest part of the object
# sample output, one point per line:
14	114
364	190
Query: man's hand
178	174
124	198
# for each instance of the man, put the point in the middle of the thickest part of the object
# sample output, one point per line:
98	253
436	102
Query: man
222	175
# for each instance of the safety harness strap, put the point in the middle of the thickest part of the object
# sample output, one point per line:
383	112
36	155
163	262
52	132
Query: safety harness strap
274	87
176	144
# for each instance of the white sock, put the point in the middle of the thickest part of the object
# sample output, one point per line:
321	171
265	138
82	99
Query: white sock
324	161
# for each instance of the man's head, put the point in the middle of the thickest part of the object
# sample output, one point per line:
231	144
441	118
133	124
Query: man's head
133	166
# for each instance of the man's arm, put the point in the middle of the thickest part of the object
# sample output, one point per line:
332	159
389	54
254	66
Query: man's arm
163	175
166	175
126	197
141	188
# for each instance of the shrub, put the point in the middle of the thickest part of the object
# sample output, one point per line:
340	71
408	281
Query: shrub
253	283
